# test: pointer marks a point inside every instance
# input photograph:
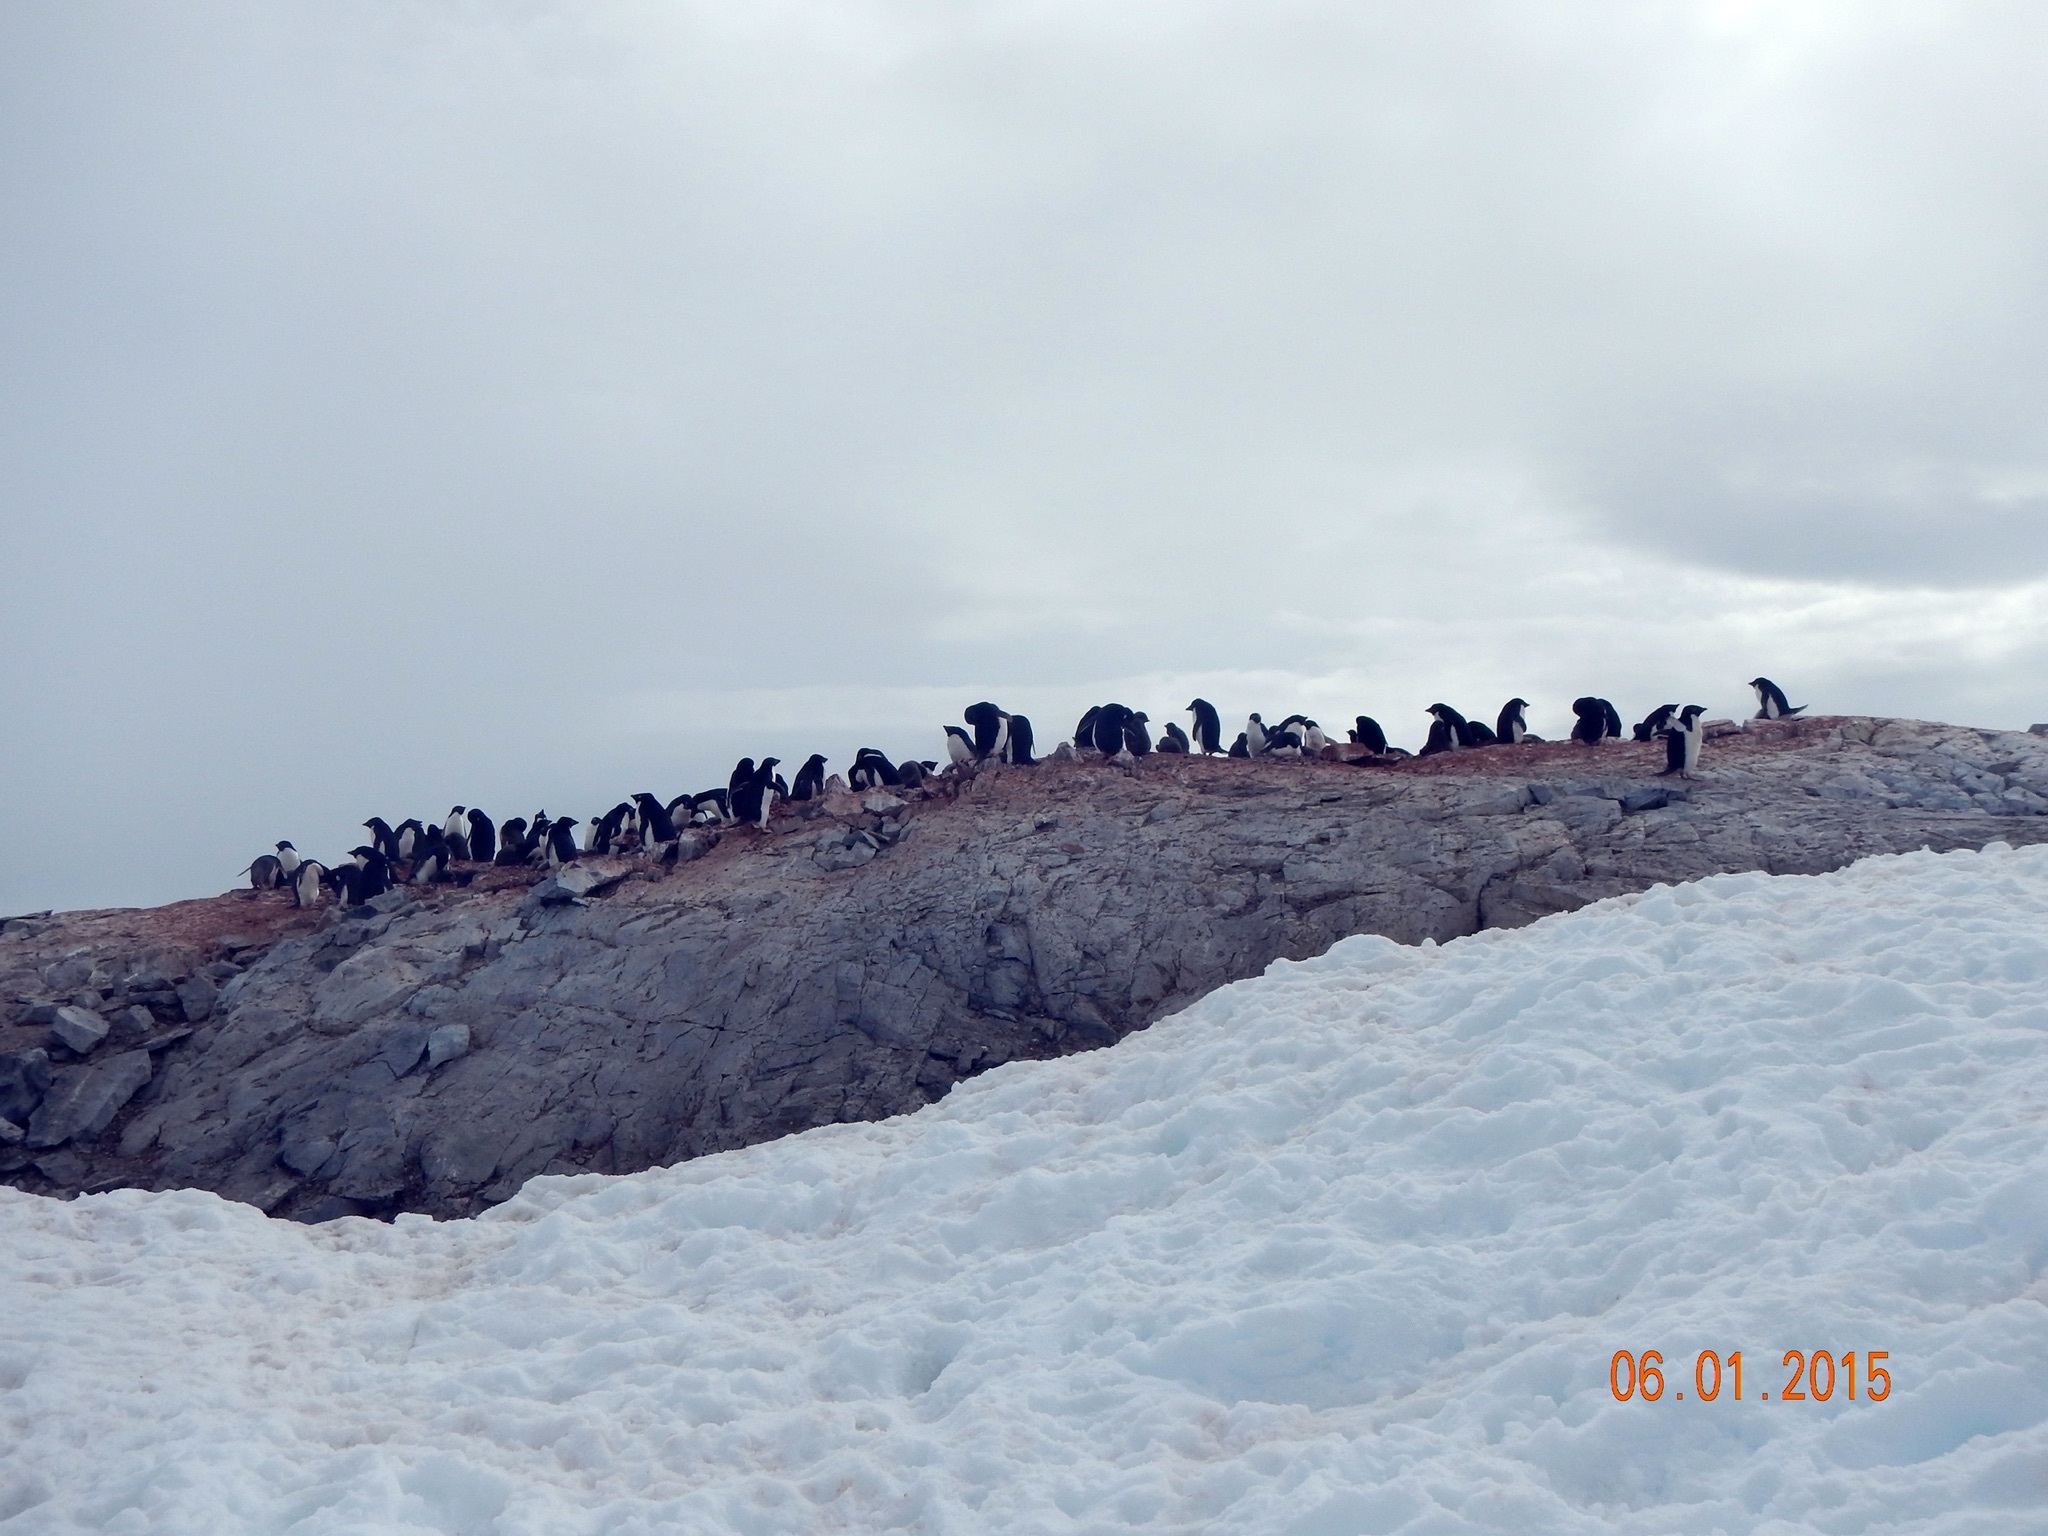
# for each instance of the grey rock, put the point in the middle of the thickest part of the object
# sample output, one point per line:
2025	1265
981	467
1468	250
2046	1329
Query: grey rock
447	1043
66	1169
840	970
591	878
78	1029
198	995
39	1015
25	1076
131	1026
2038	730
85	1101
11	1135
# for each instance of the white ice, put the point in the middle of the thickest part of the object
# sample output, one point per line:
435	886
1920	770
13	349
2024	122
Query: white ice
1346	1248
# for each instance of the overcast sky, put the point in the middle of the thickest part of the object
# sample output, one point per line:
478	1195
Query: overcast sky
524	405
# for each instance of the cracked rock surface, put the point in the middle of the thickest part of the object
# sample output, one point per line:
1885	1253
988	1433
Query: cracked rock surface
432	1052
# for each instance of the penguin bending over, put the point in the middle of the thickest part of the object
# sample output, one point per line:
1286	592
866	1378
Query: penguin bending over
1511	726
1017	748
430	857
911	775
991	729
1682	741
1651	726
1770	700
1367	733
1208	736
810	779
1591	726
1084	733
307	881
384	839
711	805
1173	739
483	837
264	872
1110	721
1446	733
959	746
1476	733
871	770
347	880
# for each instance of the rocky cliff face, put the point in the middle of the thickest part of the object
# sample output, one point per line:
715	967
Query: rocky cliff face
434	1051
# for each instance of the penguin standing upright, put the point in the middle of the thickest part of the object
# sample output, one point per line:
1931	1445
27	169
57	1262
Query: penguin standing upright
810	779
307	882
1682	741
1242	747
1366	733
483	837
1173	738
1770	700
1017	749
656	824
959	746
383	838
1137	740
767	784
375	877
1447	734
1254	735
455	832
742	774
409	832
1313	737
1208	734
430	857
991	730
1611	719
287	860
1651	726
562	842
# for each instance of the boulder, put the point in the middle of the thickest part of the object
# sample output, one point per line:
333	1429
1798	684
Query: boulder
197	995
85	1101
11	1135
78	1029
447	1043
24	1079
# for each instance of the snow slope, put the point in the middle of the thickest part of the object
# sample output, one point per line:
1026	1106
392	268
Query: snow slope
1346	1248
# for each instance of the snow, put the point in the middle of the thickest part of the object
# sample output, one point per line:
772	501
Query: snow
1345	1248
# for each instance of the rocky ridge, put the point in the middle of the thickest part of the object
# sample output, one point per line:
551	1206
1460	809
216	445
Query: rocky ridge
434	1050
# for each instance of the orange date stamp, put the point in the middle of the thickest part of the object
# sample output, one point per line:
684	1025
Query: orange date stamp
1814	1378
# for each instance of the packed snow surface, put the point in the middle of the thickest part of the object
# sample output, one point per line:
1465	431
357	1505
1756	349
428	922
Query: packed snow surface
1346	1248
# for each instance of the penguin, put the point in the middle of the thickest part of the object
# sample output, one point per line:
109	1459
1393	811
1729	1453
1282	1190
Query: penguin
1770	700
1476	733
1208	736
409	831
1611	717
991	730
871	770
767	784
347	880
742	774
264	872
537	838
1442	738
711	805
562	842
1017	748
1453	734
287	860
1109	729
1255	738
483	837
456	832
810	779
381	835
430	857
375	872
1682	741
911	775
959	746
512	848
1084	733
1242	747
1651	726
1591	726
657	824
1173	739
678	811
1367	733
307	882
1510	725
1137	740
1313	738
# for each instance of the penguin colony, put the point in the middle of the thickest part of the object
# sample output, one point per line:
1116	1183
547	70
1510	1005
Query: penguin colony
415	852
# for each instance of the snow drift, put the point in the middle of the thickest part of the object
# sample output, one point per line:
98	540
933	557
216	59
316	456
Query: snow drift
1346	1248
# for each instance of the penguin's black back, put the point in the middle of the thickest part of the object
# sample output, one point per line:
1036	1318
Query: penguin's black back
1020	741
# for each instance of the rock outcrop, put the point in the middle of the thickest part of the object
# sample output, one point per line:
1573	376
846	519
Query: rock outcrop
432	1052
